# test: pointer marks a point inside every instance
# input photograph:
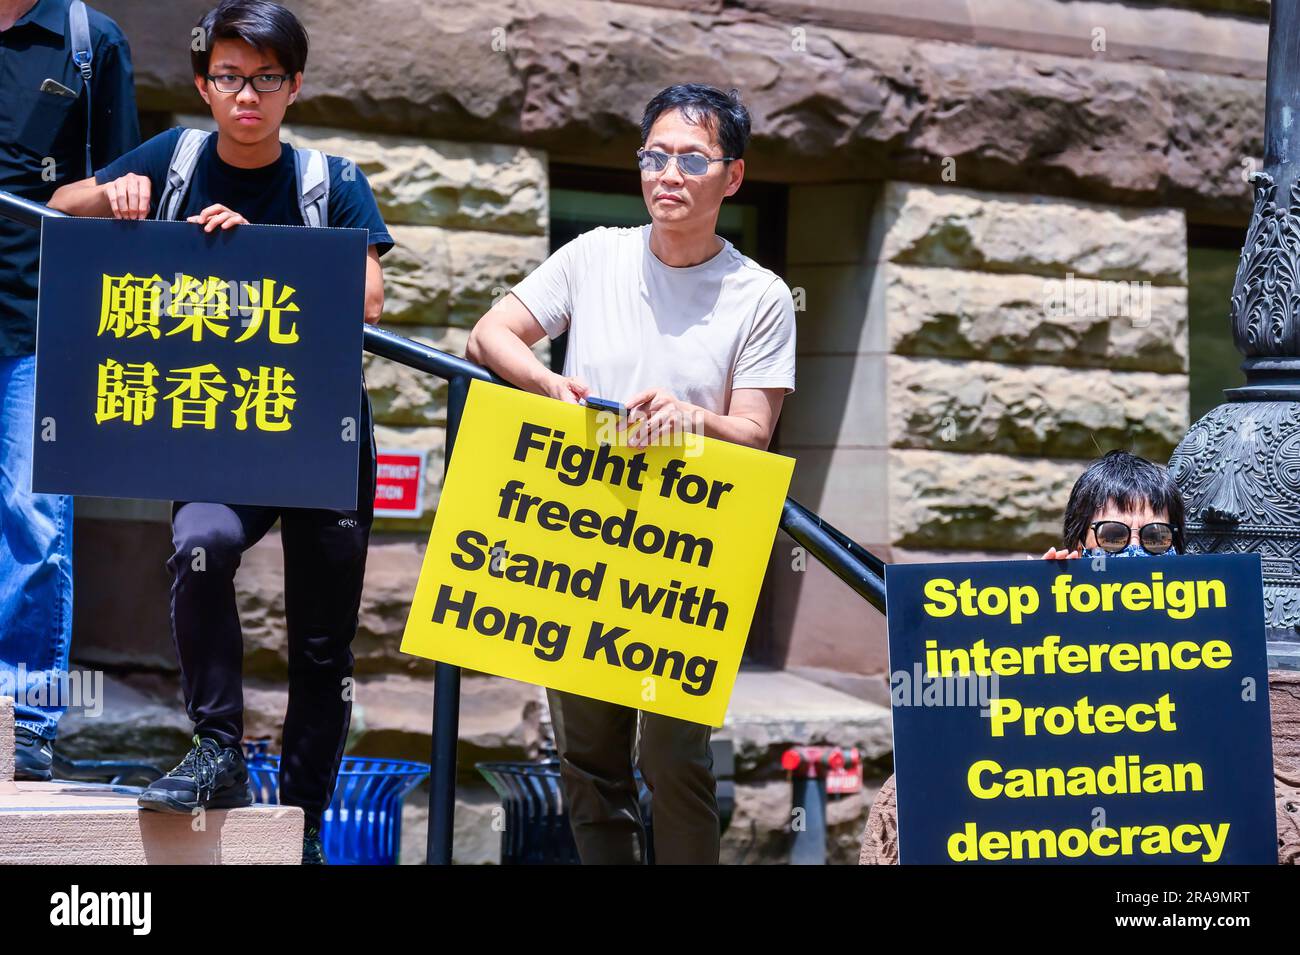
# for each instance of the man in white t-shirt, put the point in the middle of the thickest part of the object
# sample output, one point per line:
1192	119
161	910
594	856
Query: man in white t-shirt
673	322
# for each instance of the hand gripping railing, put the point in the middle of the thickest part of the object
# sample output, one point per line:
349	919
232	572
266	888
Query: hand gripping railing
849	561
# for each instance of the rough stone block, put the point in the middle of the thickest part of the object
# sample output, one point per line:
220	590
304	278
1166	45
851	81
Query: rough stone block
67	823
1032	319
401	395
485	266
1033	410
940	500
986	232
417	276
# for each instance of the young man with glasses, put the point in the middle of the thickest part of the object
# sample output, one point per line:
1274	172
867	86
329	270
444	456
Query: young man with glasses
249	71
673	322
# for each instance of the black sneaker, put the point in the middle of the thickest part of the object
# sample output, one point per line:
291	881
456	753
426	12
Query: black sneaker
33	756
211	776
313	850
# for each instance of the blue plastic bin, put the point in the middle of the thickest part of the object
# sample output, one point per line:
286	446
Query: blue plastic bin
363	824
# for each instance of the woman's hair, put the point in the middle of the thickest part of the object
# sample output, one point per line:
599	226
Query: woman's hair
1129	481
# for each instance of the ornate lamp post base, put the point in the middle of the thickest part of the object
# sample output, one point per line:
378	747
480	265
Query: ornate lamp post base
1239	466
1239	471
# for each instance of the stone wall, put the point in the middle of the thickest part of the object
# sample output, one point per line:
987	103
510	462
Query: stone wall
962	356
1012	92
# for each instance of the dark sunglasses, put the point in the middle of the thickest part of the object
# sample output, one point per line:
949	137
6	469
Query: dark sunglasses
1113	536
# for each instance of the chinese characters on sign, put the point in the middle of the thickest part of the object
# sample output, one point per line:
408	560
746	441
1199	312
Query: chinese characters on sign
131	306
187	366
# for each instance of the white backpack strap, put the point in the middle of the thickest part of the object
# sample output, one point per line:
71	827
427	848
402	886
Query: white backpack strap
313	186
180	171
82	49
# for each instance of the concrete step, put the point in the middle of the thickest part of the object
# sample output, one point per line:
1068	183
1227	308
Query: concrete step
93	824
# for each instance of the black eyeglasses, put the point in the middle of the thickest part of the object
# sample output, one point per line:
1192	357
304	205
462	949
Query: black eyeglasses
1113	536
262	82
692	164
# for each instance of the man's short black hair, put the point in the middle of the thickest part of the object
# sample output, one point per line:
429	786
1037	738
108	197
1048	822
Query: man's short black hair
722	113
1129	481
265	26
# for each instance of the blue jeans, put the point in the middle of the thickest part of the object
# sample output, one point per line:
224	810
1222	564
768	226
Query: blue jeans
35	563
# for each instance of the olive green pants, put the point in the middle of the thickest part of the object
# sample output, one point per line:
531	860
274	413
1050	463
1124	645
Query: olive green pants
599	743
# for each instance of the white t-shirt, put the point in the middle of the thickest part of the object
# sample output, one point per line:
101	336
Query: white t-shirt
635	323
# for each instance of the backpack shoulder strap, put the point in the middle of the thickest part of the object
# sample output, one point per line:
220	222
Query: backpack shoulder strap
79	30
180	171
83	52
313	186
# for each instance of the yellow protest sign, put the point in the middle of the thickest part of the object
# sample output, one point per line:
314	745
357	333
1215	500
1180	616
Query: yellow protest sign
561	556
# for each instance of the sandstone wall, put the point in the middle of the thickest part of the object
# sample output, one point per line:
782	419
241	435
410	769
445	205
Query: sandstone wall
1163	115
962	356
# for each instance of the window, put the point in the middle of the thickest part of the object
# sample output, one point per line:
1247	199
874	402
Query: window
1214	362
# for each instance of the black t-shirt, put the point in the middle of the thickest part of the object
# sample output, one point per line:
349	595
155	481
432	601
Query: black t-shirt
264	196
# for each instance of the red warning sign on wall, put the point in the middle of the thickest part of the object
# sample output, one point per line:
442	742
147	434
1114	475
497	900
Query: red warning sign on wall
399	483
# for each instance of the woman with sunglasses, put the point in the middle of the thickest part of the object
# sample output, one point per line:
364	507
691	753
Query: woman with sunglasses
1122	506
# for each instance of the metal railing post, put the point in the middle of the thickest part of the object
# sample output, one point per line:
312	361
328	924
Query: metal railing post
446	695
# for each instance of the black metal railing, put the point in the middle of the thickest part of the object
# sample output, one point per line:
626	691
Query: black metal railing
844	557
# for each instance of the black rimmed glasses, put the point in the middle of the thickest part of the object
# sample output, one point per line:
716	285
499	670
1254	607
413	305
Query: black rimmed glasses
691	164
1113	536
262	82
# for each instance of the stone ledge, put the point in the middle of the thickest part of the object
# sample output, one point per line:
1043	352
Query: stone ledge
86	824
772	710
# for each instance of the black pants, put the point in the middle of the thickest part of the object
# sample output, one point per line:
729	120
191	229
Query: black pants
324	567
